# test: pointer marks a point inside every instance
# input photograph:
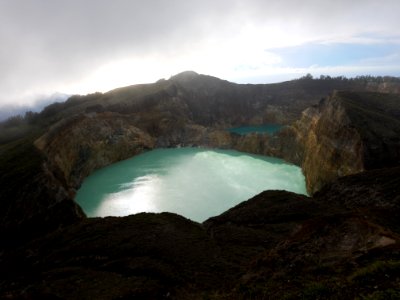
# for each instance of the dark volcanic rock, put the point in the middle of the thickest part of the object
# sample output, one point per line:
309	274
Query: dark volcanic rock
260	223
33	200
352	249
277	244
146	256
374	194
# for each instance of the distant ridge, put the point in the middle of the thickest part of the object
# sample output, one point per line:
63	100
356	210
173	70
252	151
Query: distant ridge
10	110
184	75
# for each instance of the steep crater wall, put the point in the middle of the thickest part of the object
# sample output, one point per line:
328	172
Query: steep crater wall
332	146
344	134
77	146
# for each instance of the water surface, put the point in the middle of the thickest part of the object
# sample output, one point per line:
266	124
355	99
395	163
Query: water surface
194	182
267	128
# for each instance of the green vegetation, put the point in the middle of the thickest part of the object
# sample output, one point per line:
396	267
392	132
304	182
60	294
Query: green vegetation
315	290
32	123
17	127
149	97
20	163
376	270
56	111
359	79
389	294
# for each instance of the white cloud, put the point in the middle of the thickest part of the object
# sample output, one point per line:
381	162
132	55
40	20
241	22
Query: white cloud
83	46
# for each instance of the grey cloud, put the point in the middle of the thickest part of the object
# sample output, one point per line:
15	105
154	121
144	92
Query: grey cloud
51	38
49	41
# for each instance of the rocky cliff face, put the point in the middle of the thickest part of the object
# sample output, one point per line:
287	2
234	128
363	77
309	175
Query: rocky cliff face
384	87
78	146
332	146
344	134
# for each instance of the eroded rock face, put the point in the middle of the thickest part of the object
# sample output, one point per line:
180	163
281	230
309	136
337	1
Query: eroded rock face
84	143
77	146
332	146
384	87
342	135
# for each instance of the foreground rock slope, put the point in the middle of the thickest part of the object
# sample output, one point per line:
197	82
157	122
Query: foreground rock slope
343	243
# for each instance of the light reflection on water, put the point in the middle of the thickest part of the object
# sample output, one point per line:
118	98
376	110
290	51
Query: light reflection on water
196	183
122	203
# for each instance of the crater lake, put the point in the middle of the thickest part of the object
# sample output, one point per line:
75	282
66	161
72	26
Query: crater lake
196	183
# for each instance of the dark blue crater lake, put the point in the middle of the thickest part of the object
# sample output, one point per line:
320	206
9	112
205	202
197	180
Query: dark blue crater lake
267	128
194	182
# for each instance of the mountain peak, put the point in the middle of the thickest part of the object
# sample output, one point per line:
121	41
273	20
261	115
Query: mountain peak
186	75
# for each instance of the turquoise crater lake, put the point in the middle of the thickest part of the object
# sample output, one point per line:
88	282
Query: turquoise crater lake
194	182
266	128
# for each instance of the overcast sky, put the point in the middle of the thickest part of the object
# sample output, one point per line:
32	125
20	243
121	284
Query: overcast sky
83	46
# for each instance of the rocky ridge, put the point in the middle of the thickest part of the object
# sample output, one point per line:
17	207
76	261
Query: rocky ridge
328	141
89	132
